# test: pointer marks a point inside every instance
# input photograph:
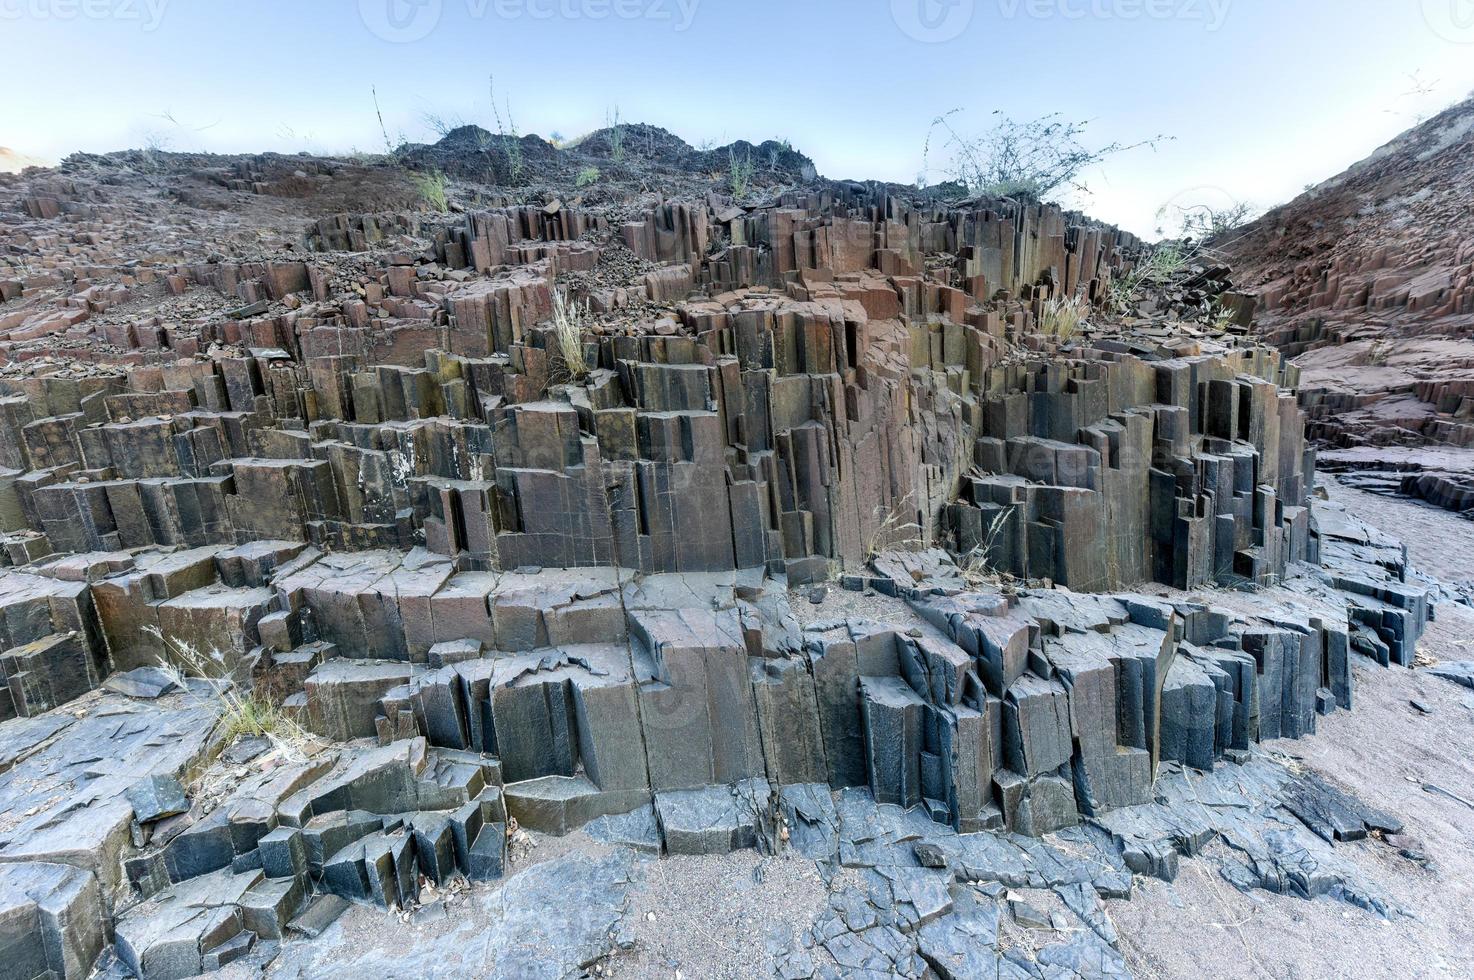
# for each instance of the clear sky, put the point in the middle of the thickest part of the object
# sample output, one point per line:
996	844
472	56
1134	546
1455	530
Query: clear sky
1262	96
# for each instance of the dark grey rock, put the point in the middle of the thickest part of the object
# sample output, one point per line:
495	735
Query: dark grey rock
1332	814
637	829
718	820
320	913
488	854
1461	672
142	682
283	853
157	797
1027	916
52	920
243	750
929	855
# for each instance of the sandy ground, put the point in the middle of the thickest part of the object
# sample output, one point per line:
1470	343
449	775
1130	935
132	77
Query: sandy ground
1439	542
726	916
1384	751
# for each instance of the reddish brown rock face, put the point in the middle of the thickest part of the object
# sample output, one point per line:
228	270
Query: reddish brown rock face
1367	280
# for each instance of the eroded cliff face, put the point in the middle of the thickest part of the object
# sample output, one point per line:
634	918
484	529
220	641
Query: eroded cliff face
1387	241
507	506
1367	280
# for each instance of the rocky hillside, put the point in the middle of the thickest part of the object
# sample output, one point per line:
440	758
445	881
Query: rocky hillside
1388	242
624	155
1368	280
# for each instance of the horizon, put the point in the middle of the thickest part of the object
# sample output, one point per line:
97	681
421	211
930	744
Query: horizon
149	74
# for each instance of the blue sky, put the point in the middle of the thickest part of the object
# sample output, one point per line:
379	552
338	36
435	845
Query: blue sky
1262	96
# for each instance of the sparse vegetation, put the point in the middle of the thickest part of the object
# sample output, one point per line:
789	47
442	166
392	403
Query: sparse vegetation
383	130
1204	223
1034	159
432	188
363	158
895	531
587	176
568	319
238	713
1224	318
740	171
1062	316
1155	270
977	565
442	126
506	134
155	145
616	136
159	142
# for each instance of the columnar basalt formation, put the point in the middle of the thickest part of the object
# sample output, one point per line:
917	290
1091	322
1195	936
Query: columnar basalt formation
781	422
546	574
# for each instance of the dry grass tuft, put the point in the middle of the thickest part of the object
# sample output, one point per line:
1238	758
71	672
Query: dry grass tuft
568	327
1061	318
895	532
1158	269
977	567
237	714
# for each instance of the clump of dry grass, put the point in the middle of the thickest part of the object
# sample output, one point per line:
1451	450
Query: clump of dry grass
977	565
568	328
894	533
1154	272
1224	319
238	713
741	169
1061	317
